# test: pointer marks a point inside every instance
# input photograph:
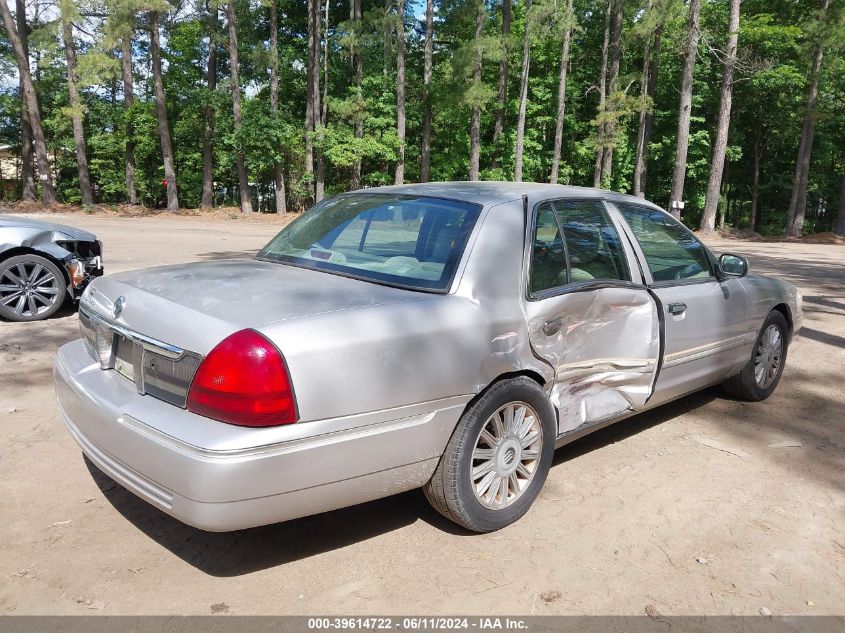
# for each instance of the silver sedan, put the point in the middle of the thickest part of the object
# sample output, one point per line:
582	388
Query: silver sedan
444	336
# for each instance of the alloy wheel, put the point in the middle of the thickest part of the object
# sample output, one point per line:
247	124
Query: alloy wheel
28	289
506	455
768	356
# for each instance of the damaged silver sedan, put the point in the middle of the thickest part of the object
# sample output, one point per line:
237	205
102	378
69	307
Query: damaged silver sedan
445	336
42	265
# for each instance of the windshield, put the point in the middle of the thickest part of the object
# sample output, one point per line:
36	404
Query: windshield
403	240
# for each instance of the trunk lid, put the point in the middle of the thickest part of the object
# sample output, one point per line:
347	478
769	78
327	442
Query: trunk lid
195	306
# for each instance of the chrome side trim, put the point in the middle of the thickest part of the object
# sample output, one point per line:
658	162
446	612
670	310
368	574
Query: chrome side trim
273	449
160	347
696	353
609	364
304	442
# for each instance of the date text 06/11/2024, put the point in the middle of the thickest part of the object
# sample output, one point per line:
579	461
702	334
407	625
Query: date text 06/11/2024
417	623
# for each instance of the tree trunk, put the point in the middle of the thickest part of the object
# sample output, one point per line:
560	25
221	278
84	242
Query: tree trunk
161	113
316	110
356	17
651	64
729	194
425	145
278	176
639	153
684	109
561	94
388	37
207	200
502	94
22	60
27	154
128	100
523	97
613	84
798	202
400	91
310	71
475	124
723	123
649	115
243	180
755	176
324	113
76	109
602	97
840	215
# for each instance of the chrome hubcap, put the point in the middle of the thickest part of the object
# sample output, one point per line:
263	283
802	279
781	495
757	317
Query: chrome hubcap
28	289
506	455
768	356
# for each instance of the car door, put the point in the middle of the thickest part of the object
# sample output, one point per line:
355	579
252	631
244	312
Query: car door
705	319
589	315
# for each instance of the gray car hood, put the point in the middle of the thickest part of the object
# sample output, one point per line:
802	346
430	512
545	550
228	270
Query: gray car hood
194	306
73	233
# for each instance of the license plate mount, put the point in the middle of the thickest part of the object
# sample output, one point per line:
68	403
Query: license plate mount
123	358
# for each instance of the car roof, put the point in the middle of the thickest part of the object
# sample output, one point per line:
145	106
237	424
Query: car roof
496	192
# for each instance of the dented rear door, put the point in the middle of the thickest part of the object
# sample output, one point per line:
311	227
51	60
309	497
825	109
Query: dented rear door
604	345
601	334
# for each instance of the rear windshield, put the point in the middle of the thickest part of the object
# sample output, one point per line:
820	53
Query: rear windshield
402	240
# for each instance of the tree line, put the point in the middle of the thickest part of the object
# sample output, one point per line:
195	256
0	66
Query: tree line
728	113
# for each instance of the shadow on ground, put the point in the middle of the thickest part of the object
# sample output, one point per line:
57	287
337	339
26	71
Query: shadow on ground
247	551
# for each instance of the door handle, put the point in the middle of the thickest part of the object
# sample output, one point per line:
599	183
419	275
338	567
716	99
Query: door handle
676	308
552	326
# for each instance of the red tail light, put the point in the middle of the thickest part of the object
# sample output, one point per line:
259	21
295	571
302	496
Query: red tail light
244	381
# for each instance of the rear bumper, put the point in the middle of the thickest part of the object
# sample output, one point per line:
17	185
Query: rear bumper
218	477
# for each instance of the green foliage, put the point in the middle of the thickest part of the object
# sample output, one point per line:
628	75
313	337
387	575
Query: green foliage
775	44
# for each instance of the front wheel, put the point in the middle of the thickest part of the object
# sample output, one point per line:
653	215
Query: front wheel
761	375
497	459
31	288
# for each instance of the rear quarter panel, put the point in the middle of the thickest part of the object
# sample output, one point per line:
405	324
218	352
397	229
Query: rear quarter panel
436	346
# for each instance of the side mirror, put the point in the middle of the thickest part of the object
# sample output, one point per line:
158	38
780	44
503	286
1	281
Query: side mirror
732	266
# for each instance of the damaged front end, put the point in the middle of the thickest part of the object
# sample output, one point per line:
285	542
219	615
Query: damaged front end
83	261
76	252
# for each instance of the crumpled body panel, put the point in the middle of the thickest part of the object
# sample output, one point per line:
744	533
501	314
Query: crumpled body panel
604	346
54	241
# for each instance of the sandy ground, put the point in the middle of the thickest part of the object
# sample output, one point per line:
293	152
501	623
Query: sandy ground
638	516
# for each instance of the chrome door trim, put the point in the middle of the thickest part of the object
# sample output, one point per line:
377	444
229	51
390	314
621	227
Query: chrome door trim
696	353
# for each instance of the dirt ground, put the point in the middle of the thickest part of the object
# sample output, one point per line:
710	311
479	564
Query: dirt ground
704	506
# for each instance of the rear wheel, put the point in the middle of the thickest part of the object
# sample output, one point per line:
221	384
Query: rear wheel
31	288
497	459
761	375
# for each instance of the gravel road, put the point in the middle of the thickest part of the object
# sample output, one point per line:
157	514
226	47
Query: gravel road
704	506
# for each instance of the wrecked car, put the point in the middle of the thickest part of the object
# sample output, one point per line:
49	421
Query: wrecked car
447	336
42	265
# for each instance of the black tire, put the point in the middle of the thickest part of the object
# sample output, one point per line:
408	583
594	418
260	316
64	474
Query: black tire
450	489
47	296
745	385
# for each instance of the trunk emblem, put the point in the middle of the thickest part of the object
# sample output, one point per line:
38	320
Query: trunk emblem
119	303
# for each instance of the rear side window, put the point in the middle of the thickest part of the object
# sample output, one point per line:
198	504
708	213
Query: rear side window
671	251
575	241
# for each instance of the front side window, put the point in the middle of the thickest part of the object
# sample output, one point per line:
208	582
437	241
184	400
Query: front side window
574	241
404	240
671	251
